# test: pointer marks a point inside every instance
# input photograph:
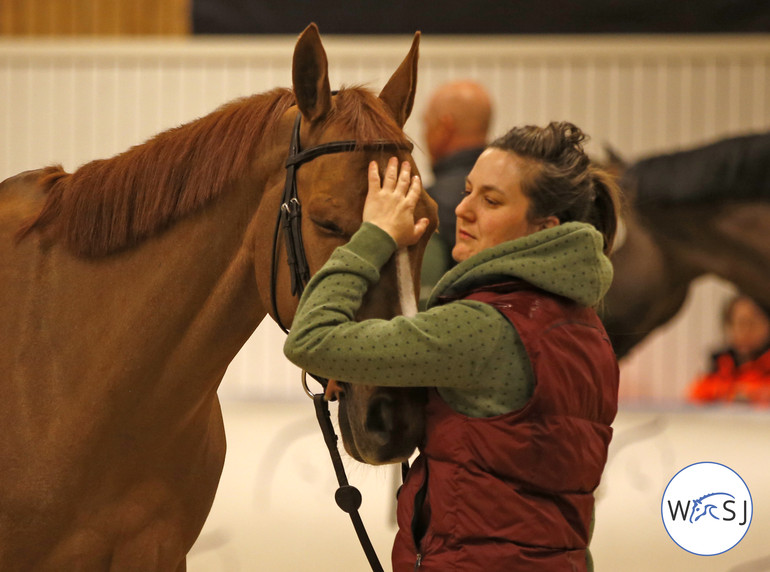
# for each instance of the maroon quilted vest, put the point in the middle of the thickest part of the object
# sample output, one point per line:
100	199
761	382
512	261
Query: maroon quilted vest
515	492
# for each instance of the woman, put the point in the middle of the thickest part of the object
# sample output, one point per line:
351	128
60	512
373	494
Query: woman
525	380
741	372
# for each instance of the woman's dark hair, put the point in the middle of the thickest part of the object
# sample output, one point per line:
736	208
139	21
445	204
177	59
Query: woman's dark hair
563	181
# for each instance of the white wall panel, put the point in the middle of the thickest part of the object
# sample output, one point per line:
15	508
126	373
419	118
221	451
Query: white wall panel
73	101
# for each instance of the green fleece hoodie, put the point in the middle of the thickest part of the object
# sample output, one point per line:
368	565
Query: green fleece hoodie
467	349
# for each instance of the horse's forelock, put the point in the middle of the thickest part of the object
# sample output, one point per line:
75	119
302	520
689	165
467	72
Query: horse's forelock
361	113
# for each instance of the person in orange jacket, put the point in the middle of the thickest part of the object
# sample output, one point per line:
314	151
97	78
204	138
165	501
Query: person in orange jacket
740	373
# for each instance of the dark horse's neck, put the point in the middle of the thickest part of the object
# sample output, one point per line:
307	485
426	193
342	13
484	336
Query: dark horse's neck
730	170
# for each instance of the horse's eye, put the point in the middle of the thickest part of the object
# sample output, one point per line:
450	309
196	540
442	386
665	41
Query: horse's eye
329	227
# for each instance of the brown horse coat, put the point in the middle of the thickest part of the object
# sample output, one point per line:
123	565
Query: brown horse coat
127	287
700	211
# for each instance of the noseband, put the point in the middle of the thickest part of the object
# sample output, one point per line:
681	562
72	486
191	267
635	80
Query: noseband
290	217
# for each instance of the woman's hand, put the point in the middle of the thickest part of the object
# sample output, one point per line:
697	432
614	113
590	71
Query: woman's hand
391	205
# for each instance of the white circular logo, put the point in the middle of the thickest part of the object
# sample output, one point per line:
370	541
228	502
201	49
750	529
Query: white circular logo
706	508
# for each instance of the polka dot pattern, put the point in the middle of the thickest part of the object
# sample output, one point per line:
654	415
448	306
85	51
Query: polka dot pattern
467	349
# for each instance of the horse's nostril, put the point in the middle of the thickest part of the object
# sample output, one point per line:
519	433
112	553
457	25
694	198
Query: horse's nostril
379	417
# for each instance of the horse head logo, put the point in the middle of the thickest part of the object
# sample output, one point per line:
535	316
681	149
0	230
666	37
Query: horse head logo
701	507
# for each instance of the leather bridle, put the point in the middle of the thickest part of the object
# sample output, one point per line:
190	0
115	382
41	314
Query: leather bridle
290	215
348	497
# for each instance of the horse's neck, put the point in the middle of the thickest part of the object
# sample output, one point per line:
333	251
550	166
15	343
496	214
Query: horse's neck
214	256
173	309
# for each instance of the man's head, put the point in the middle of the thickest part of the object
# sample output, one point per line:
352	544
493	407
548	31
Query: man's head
457	117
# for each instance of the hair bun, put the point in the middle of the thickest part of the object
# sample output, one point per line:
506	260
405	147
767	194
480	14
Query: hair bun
572	134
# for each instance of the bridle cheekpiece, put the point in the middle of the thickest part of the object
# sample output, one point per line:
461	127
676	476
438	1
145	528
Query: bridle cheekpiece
290	215
348	497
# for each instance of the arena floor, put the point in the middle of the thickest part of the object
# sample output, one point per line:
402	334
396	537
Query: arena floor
275	510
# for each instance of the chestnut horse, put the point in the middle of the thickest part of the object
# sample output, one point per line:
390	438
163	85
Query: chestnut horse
128	286
700	211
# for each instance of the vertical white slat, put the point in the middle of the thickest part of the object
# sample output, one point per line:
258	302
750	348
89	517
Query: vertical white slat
761	91
684	102
5	120
664	95
733	88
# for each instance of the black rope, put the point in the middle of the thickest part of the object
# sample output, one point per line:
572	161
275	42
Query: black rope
348	497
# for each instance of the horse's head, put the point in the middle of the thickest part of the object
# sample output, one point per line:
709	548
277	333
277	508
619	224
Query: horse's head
701	507
378	425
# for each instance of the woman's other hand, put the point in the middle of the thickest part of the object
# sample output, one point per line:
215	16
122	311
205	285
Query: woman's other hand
390	203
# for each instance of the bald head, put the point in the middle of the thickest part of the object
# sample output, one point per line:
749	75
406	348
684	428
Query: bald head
457	118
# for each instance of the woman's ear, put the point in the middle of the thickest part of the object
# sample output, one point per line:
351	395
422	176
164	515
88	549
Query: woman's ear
548	222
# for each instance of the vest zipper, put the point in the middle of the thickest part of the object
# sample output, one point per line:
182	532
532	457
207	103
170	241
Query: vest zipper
419	528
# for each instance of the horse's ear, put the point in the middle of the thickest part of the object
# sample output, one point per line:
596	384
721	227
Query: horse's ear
398	93
310	75
614	158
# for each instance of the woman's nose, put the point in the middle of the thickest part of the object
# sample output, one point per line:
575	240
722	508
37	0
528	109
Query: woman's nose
464	209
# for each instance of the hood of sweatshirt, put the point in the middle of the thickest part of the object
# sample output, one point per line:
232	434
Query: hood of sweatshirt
566	260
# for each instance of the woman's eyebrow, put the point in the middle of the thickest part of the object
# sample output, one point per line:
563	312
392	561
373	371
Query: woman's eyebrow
484	187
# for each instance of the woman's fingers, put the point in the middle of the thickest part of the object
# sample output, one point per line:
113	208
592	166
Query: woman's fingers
374	177
394	179
413	191
404	178
391	175
391	201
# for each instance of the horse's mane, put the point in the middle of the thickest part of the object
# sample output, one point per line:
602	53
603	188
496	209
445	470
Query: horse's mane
110	204
729	170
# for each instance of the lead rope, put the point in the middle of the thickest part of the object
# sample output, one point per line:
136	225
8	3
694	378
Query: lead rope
348	497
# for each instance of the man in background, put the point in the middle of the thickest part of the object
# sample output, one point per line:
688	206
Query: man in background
456	124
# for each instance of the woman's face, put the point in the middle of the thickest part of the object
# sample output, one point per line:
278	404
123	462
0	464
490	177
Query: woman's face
749	328
494	208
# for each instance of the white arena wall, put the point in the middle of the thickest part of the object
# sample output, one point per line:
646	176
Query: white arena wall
73	101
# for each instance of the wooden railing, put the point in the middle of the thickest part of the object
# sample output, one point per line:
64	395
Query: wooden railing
94	17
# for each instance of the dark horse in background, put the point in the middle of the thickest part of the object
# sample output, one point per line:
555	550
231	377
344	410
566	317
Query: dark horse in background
128	286
700	211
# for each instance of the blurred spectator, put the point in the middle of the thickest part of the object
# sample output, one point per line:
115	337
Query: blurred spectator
741	372
456	128
456	125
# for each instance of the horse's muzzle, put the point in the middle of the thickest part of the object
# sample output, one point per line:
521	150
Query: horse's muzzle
380	421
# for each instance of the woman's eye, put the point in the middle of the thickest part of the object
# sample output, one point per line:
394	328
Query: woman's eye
491	202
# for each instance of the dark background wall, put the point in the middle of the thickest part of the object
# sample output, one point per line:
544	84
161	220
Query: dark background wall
480	16
180	17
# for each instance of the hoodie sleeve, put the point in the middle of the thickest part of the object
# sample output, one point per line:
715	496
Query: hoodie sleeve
453	346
